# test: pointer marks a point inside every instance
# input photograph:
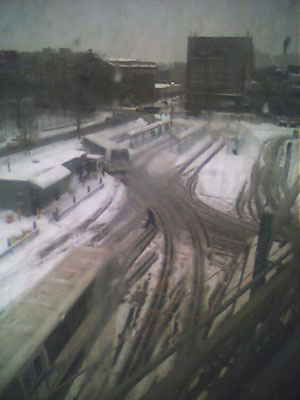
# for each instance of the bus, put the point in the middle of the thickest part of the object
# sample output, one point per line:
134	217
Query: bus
116	157
44	336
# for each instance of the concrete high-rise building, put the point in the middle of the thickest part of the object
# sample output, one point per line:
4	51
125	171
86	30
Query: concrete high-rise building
217	69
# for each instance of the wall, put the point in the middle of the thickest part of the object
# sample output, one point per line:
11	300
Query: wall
15	195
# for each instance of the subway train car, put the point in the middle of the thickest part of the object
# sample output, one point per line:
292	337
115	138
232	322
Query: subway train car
44	334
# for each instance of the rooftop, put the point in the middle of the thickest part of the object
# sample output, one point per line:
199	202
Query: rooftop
25	167
50	177
131	63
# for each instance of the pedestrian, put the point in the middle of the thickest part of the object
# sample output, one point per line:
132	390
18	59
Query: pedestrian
56	213
150	219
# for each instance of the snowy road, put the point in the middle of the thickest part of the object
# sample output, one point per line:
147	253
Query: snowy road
177	271
196	241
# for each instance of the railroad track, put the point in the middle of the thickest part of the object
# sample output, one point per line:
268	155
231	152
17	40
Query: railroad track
214	229
214	221
159	312
181	217
192	181
239	201
79	229
186	165
224	230
141	349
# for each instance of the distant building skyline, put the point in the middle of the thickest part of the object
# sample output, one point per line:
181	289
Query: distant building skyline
155	30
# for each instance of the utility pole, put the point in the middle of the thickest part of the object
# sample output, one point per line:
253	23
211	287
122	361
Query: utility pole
171	114
263	246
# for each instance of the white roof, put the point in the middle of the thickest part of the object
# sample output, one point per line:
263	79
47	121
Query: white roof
162	85
98	140
131	63
65	156
51	177
94	157
24	167
148	127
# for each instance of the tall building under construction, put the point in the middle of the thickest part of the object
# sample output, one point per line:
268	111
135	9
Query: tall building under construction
217	69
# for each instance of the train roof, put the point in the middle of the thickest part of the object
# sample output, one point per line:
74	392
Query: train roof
149	127
98	140
94	157
27	324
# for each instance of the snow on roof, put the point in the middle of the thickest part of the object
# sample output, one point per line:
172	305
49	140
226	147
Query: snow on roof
99	140
131	63
65	156
94	157
51	177
161	85
148	127
114	59
24	167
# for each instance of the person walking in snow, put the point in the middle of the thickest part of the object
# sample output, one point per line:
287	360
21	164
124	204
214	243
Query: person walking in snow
150	219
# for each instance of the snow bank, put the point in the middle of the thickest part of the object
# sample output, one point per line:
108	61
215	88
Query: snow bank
23	268
222	179
266	131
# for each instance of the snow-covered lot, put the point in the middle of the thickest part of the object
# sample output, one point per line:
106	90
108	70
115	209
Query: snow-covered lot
219	184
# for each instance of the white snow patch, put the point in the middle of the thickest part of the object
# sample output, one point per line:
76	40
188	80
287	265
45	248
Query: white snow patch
26	166
266	131
222	179
24	268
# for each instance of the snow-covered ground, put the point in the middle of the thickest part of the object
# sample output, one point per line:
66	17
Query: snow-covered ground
222	179
52	124
24	267
219	184
266	131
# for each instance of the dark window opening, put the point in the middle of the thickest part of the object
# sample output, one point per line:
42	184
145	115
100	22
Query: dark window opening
13	391
28	379
119	155
63	332
102	150
19	196
38	367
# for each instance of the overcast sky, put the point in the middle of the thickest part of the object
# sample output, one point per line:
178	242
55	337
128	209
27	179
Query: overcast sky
147	29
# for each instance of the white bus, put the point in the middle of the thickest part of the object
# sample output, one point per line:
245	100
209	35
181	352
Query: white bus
43	336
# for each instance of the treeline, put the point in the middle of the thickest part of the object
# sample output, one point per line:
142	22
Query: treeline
63	79
272	86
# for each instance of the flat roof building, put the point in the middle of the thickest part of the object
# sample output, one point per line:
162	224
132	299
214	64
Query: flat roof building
217	69
135	80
